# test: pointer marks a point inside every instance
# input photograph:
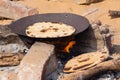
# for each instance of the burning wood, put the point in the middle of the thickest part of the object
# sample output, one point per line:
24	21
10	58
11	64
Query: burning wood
63	44
86	74
91	40
85	61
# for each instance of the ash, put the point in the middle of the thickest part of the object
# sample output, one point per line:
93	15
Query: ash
110	75
9	68
58	74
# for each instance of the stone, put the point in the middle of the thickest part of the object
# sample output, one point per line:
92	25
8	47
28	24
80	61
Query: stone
11	47
91	40
39	62
8	75
81	1
98	22
13	10
10	42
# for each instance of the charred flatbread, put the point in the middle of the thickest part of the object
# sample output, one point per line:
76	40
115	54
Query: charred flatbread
49	30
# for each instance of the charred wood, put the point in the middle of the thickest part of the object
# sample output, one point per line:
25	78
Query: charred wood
114	13
86	2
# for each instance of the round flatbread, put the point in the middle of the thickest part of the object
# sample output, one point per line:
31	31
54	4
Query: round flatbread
49	30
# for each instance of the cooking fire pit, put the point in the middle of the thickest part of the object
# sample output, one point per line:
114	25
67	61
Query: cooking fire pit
87	40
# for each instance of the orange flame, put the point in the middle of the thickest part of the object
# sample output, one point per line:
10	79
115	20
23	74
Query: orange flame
70	45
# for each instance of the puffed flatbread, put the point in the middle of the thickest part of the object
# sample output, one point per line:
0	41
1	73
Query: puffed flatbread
49	30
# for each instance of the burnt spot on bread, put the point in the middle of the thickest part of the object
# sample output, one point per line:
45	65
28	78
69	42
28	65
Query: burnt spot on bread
55	29
65	33
51	26
33	36
28	32
43	30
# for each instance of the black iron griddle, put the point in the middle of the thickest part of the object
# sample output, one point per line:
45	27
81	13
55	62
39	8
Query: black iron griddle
80	23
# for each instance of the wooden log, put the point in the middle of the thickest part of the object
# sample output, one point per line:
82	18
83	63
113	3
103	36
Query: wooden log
85	61
10	59
86	2
114	13
86	74
14	10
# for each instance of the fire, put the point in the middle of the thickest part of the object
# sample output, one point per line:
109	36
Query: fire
70	45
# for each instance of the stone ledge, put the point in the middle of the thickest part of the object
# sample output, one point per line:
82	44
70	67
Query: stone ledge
38	62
